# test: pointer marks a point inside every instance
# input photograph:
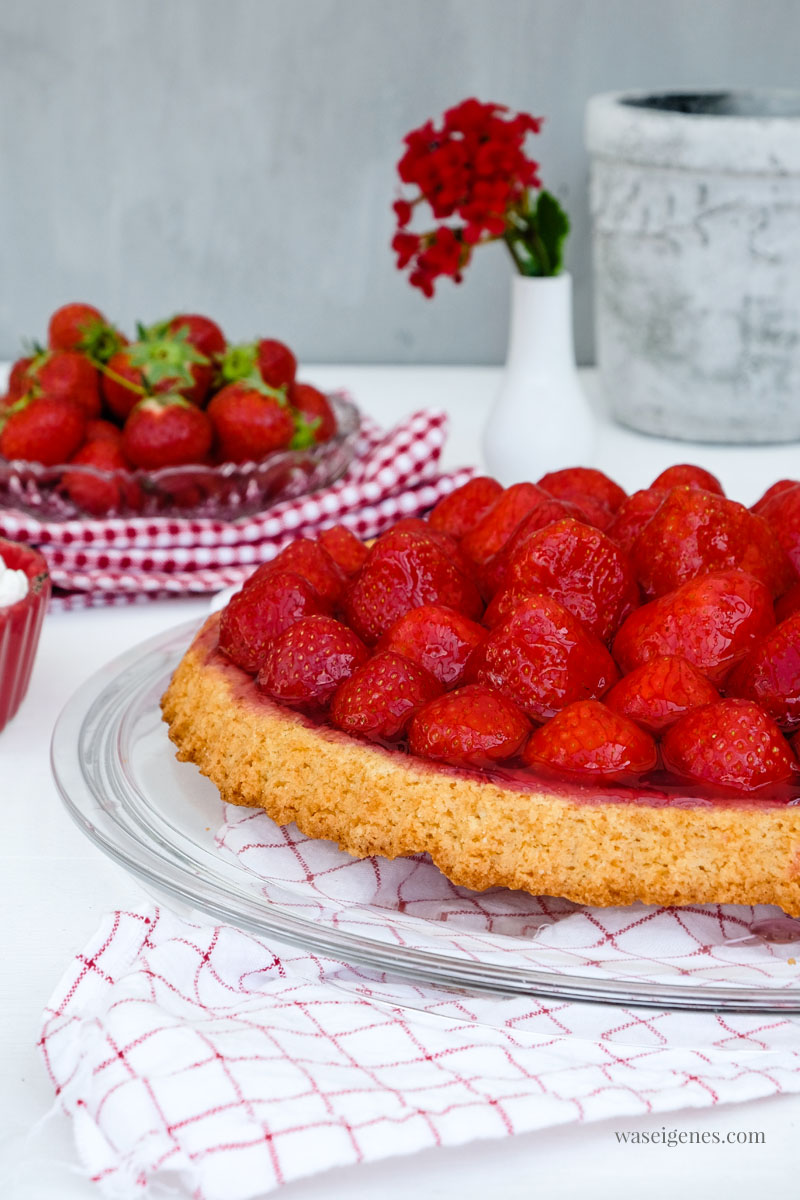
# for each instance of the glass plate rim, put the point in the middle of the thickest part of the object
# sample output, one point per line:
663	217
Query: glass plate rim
223	902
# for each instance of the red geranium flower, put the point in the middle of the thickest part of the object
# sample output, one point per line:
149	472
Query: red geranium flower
473	173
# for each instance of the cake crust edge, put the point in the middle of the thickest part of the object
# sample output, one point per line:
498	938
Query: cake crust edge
479	834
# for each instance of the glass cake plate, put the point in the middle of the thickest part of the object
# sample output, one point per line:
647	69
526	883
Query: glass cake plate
161	820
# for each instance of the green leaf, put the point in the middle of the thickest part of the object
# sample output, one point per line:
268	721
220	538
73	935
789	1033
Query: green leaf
552	226
304	430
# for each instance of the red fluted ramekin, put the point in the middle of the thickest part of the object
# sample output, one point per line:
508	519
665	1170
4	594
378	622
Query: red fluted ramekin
20	626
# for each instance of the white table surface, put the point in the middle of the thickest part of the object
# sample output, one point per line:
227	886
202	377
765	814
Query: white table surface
56	887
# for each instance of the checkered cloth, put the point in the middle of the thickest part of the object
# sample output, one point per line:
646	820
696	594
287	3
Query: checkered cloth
203	1056
122	561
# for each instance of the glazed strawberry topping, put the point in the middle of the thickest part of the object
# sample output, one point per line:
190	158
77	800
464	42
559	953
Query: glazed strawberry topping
686	475
588	740
311	560
543	658
470	727
394	641
438	639
461	511
712	622
729	744
581	568
403	571
695	532
380	697
656	694
305	664
262	611
770	674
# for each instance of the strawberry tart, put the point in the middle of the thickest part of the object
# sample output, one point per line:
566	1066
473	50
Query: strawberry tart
554	687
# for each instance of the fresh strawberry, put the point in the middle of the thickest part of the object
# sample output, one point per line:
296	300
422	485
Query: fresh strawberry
266	361
99	430
312	561
574	483
314	419
783	485
276	363
305	664
543	658
380	697
499	521
201	332
262	611
686	475
249	423
470	727
587	741
166	431
44	429
18	383
461	511
438	639
404	571
770	674
344	548
122	385
106	488
789	603
782	513
695	532
68	375
83	327
580	567
632	516
731	744
712	621
493	574
659	692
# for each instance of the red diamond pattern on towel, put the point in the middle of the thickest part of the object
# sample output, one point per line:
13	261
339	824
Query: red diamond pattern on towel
99	562
199	1052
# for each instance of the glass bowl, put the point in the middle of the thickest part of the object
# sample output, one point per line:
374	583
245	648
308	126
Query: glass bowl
20	626
225	491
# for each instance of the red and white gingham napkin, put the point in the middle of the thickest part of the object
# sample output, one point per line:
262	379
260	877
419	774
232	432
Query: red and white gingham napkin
202	1053
120	561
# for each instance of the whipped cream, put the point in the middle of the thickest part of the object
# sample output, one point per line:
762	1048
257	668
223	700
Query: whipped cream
13	585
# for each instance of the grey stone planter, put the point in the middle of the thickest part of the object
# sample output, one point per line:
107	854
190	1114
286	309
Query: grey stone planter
696	235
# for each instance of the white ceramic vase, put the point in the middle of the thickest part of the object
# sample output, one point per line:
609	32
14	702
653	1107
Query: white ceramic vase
541	420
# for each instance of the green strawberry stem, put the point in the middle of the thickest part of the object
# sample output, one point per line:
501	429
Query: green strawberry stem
120	379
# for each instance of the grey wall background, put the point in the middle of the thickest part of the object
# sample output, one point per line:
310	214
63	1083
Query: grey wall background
238	156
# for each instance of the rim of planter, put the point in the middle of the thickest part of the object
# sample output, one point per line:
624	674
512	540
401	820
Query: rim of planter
736	131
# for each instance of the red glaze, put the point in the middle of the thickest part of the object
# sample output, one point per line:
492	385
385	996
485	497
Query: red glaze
782	512
712	622
632	516
499	521
344	547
